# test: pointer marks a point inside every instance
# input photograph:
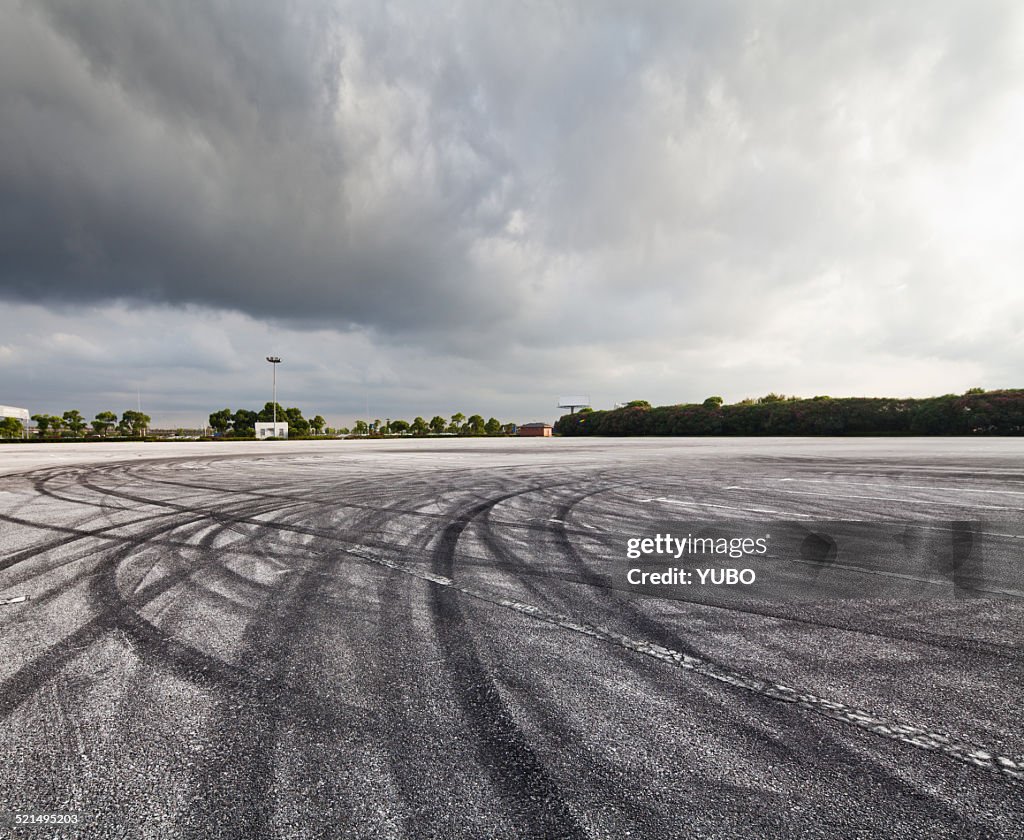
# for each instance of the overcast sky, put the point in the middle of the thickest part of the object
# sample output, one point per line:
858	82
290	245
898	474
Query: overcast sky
476	207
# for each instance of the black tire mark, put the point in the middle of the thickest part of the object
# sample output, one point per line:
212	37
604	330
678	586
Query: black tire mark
527	788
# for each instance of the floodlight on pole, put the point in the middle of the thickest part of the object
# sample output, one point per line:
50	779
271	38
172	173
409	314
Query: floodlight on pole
274	362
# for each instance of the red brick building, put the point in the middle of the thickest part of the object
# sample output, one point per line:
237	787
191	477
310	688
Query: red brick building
534	430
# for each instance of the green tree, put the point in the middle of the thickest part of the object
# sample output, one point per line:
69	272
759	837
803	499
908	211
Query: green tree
437	424
104	422
398	427
267	413
75	422
456	424
638	404
361	427
713	402
135	423
297	424
493	427
317	424
419	427
476	424
220	421
11	427
48	425
244	422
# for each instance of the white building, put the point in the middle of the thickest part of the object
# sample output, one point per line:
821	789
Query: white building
18	414
271	430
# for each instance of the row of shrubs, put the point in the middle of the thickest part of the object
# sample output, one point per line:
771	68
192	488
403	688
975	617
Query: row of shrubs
977	412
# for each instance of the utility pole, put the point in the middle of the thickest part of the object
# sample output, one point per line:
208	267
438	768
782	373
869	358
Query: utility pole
274	362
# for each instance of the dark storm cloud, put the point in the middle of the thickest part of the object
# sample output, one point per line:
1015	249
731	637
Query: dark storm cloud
638	199
221	154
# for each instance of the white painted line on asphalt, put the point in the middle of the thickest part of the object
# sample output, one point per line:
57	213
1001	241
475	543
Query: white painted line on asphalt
889	499
934	581
681	503
979	533
17	600
903	486
958	749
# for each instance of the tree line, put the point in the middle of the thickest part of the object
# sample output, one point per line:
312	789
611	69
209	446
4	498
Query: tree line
457	424
242	423
977	412
72	424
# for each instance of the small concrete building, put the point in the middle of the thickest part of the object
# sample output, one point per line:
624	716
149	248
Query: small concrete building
15	412
18	414
534	430
271	430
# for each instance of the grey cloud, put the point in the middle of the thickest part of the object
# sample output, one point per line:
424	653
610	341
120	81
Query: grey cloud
672	195
184	157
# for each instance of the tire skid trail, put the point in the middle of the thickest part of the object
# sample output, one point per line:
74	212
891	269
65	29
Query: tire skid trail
399	670
107	533
107	562
132	540
622	608
240	778
29	678
261	686
73	535
117	614
265	678
241	774
666	638
513	561
905	634
958	749
407	738
542	707
390	678
528	790
947	643
829	749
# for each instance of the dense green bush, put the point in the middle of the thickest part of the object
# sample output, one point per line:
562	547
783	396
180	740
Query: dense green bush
974	413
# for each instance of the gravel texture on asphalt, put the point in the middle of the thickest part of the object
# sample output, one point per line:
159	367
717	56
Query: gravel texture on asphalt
434	639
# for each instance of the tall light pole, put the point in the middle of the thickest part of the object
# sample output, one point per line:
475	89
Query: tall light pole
274	362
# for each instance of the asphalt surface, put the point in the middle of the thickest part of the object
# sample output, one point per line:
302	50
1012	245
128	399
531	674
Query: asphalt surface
418	639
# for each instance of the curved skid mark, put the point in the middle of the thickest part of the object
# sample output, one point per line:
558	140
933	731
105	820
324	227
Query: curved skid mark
520	777
961	750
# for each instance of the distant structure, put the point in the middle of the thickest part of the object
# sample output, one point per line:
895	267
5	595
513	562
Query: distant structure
274	362
574	402
18	414
271	430
534	430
